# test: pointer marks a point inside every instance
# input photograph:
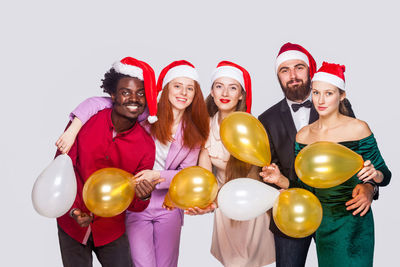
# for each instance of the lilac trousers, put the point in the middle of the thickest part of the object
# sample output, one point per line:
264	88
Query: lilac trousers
154	234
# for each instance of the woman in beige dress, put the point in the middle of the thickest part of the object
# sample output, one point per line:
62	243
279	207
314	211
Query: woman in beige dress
234	243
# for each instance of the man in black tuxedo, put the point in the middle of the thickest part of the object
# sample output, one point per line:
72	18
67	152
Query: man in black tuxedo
295	68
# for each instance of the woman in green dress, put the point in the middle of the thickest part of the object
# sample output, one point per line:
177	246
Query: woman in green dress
342	239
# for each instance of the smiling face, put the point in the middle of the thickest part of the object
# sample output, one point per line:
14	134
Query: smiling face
294	78
326	97
181	92
226	93
129	99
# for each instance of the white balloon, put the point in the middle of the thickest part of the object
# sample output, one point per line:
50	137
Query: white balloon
243	199
55	189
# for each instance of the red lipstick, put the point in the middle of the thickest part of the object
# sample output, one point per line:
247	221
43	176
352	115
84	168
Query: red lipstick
223	100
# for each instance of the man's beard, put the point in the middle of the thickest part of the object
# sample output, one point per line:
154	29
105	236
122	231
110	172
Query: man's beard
297	92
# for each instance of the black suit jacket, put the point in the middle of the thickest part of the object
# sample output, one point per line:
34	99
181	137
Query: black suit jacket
279	124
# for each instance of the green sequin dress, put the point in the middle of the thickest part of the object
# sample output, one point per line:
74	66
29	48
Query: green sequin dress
343	239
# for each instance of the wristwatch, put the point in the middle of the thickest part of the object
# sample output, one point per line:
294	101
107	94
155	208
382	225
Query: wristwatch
147	198
376	189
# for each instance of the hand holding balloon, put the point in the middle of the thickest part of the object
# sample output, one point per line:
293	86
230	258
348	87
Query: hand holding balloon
272	175
368	172
82	218
199	211
67	139
164	206
149	175
167	204
144	187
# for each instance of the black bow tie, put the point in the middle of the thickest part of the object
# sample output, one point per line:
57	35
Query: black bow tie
306	104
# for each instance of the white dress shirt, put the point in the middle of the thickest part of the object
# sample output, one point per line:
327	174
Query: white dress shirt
302	116
161	155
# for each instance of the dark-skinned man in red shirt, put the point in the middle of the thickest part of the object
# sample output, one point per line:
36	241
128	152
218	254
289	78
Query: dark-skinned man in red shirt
111	138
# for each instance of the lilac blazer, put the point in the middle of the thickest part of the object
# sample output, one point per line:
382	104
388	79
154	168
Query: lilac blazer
179	157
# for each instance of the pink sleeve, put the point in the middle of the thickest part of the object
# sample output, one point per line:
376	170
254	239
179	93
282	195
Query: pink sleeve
88	108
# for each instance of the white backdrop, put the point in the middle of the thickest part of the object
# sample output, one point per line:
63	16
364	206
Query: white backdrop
53	55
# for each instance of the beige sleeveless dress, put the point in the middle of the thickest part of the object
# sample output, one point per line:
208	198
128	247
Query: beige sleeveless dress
237	243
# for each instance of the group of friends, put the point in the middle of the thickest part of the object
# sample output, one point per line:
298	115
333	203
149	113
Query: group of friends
154	129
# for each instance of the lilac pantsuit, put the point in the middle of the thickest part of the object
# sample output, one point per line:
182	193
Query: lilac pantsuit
154	233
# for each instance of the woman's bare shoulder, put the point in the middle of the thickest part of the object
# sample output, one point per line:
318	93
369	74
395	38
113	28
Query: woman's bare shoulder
302	135
357	129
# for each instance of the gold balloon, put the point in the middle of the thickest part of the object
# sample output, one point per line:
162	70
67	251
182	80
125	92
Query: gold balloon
297	212
245	138
168	202
193	187
108	192
326	164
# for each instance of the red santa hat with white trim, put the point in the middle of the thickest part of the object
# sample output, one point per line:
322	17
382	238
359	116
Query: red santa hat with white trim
142	71
238	73
331	73
291	51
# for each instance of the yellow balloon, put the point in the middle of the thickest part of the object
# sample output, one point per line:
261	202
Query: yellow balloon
245	138
193	187
297	212
167	201
326	164
108	192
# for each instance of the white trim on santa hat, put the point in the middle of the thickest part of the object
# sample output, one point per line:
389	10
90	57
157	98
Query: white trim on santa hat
228	71
289	55
152	119
180	71
130	70
329	78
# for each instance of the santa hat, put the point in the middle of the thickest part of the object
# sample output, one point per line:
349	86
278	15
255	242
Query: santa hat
180	68
236	72
331	73
142	71
291	51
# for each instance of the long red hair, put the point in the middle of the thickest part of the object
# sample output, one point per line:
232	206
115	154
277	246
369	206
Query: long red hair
195	120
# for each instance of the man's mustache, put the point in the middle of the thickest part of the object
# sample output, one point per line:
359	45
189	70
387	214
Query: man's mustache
295	80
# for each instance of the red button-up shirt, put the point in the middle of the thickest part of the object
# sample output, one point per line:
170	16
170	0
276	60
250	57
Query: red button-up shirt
96	148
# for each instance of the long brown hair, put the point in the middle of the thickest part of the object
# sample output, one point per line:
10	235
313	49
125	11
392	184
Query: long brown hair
195	123
343	104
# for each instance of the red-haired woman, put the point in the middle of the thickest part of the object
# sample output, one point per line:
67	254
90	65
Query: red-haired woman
180	131
234	243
